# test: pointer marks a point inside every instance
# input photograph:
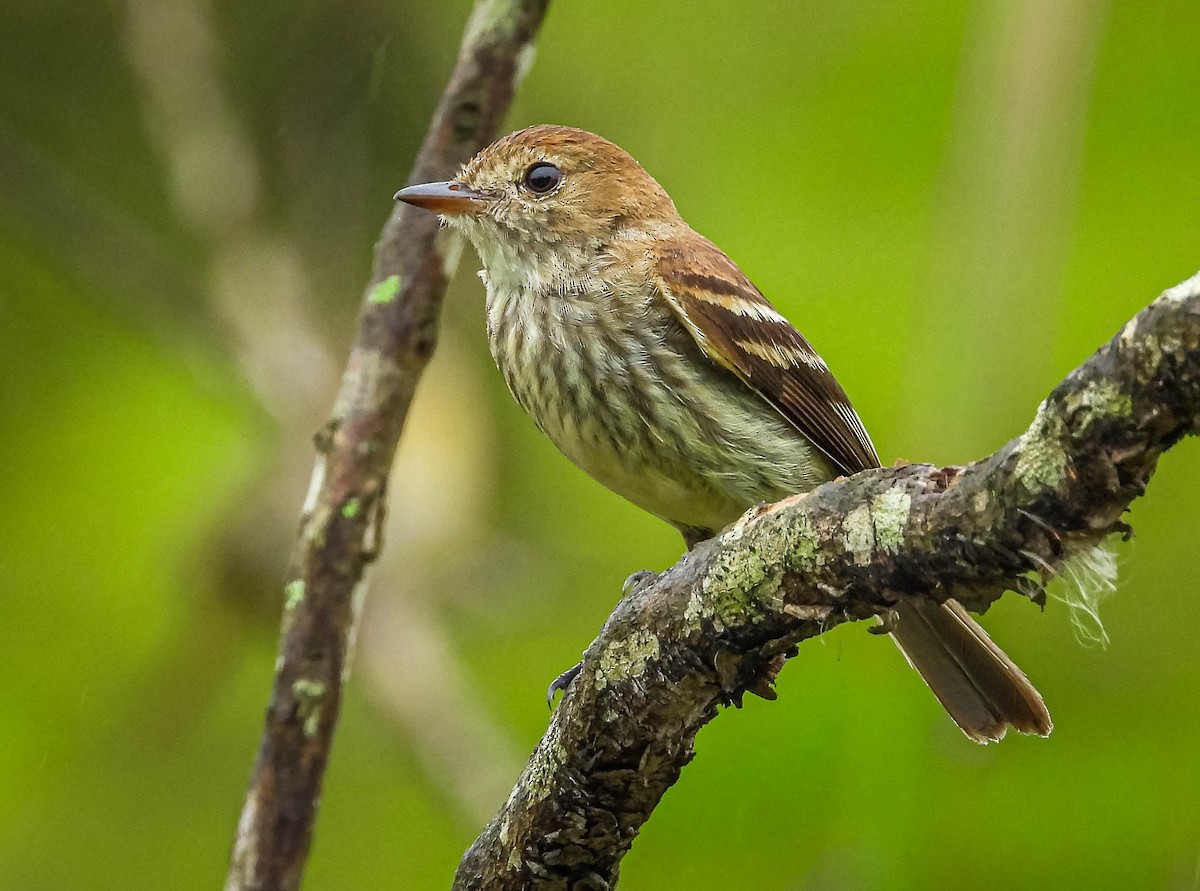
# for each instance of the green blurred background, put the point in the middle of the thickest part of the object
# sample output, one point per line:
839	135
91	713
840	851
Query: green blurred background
957	202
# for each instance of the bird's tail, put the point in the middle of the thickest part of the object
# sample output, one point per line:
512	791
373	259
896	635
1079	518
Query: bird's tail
982	689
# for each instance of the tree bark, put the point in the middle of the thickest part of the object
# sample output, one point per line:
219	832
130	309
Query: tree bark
721	621
344	511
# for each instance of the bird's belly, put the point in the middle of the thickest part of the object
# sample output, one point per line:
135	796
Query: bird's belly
670	432
663	481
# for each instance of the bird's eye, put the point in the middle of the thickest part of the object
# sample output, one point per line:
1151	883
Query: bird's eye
542	178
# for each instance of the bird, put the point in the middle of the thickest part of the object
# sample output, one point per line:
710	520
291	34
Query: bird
649	358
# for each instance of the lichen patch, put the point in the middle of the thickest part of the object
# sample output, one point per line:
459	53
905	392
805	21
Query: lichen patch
310	696
1100	400
626	657
543	767
1041	461
385	291
858	534
293	594
889	514
1183	291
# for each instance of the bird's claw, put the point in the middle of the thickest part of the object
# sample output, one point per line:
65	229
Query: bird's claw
562	682
637	580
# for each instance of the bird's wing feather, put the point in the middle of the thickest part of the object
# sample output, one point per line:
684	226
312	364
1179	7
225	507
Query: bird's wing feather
738	329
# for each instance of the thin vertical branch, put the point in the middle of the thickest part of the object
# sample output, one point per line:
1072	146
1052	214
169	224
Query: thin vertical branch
344	511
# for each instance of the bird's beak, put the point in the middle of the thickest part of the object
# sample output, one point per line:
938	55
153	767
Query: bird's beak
451	198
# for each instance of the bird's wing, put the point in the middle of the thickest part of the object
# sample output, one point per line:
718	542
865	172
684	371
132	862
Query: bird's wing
737	328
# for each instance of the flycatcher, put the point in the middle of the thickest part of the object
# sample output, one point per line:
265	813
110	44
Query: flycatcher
650	360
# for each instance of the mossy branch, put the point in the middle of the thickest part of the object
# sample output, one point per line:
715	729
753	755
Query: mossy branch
344	514
721	620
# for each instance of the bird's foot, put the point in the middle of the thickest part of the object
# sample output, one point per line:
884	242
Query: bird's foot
638	580
562	682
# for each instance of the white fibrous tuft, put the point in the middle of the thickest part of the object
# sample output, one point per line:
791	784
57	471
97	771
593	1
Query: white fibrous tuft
1088	577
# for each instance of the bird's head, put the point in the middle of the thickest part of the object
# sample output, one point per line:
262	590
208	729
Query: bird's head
547	191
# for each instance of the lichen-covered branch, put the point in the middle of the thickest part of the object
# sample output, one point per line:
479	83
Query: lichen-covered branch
344	512
720	621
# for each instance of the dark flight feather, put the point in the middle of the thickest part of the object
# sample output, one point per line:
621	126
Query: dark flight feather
739	329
